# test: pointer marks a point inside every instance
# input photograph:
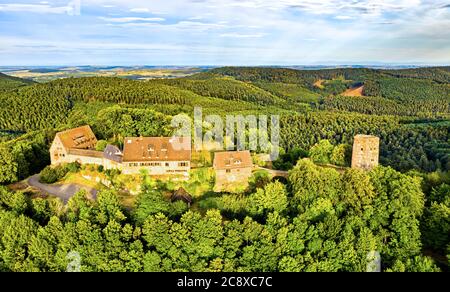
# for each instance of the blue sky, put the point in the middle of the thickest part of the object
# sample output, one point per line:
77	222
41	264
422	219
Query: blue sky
224	32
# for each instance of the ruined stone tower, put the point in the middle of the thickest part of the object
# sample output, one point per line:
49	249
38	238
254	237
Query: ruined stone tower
366	152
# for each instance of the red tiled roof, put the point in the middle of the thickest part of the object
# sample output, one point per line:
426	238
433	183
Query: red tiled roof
232	159
156	149
78	138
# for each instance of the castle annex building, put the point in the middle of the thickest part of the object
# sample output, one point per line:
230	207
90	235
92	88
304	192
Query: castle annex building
366	152
232	168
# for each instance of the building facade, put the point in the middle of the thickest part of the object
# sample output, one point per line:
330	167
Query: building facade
232	168
156	155
75	145
366	152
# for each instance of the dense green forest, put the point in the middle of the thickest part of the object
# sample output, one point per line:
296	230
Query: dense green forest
324	221
226	88
319	220
309	114
384	106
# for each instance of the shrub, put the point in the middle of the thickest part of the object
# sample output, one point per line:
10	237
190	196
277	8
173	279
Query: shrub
73	167
61	171
101	145
48	175
321	152
51	175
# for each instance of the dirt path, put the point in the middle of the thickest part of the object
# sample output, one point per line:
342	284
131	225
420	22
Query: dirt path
64	192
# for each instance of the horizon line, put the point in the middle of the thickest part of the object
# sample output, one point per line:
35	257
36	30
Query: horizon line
423	64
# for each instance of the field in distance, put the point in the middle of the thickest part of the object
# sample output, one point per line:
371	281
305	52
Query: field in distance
45	74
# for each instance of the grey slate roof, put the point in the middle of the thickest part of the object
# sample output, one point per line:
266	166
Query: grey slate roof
113	153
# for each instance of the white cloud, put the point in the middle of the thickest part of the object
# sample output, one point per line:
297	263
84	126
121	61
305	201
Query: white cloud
131	19
140	10
195	18
238	35
327	6
35	8
343	17
267	30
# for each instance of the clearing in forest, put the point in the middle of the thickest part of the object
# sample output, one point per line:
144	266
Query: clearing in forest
319	83
355	91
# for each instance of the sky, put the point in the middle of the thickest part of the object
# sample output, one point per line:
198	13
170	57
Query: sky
224	32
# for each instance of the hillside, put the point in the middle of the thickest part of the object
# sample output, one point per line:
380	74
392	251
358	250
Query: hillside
423	92
48	105
9	82
304	77
225	88
413	92
292	93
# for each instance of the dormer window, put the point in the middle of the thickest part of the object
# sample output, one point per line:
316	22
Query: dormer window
151	148
237	162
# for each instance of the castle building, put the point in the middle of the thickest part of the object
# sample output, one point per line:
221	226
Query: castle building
157	155
366	152
232	168
75	145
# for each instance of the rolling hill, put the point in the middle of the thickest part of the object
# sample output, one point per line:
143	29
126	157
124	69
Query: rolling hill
9	82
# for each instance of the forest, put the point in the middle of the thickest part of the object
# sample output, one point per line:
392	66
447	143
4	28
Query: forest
320	219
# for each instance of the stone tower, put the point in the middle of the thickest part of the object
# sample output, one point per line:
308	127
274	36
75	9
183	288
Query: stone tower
366	152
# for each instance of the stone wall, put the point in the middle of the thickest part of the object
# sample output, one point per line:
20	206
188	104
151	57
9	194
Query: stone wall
232	178
83	159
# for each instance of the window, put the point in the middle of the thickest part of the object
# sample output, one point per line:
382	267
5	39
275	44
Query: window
167	164
150	163
228	170
182	164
